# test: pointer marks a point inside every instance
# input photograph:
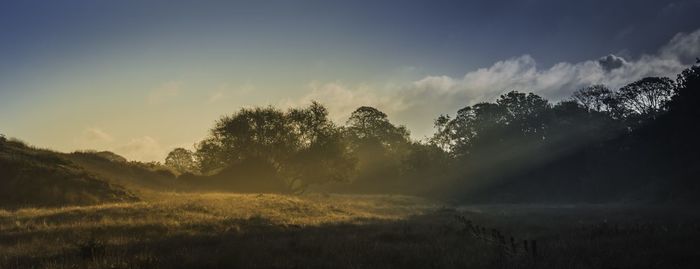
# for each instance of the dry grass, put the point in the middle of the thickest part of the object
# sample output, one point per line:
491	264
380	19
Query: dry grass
214	230
39	235
207	208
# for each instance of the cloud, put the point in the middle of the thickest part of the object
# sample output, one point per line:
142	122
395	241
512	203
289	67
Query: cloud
684	48
342	99
225	91
164	92
417	103
611	62
96	135
143	148
94	139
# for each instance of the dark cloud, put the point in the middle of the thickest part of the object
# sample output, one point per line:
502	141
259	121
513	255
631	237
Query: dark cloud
611	62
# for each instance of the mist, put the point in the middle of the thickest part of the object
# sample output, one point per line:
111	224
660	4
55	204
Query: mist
361	134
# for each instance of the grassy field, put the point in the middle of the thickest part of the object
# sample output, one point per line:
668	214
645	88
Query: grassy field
170	230
183	230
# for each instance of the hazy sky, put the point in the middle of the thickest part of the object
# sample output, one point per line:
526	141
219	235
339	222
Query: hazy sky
142	77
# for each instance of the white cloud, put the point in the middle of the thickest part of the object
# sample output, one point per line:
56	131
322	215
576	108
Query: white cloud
416	104
225	92
143	148
93	138
341	99
684	48
164	92
96	135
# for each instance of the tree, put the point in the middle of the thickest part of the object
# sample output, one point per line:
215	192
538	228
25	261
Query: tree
684	112
573	124
442	137
471	127
208	156
646	97
254	133
369	125
524	112
302	145
425	162
321	151
180	159
594	98
515	115
380	148
687	92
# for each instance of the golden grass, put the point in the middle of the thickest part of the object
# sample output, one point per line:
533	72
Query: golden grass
50	231
220	230
206	207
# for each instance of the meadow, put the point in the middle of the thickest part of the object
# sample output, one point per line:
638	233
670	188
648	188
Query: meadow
220	230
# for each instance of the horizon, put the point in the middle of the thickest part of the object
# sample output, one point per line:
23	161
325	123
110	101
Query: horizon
140	79
384	134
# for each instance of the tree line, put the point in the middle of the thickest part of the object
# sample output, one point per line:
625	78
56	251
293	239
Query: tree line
599	143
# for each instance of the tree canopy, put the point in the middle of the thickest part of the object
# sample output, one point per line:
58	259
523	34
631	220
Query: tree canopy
517	141
302	145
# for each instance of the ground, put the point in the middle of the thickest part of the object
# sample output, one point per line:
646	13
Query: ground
216	230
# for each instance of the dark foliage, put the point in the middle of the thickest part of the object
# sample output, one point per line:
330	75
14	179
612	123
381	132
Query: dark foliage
636	144
34	177
633	144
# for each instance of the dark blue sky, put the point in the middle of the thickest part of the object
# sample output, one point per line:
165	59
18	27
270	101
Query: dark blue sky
129	70
446	37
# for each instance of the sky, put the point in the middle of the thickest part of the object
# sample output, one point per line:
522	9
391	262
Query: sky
142	77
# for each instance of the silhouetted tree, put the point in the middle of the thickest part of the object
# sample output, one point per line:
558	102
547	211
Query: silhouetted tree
209	156
591	147
524	113
302	145
180	159
425	168
380	148
595	97
442	137
321	153
687	92
646	98
368	125
486	125
676	134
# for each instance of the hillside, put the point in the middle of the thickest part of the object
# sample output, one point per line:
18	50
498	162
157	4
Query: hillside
35	177
118	170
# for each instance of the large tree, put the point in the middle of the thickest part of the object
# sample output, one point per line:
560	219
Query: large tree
380	148
368	125
594	98
514	116
647	97
302	145
180	159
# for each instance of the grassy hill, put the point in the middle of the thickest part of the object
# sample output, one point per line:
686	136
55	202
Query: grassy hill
36	177
116	169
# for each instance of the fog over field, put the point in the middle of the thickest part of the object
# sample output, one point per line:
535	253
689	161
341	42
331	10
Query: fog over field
363	134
